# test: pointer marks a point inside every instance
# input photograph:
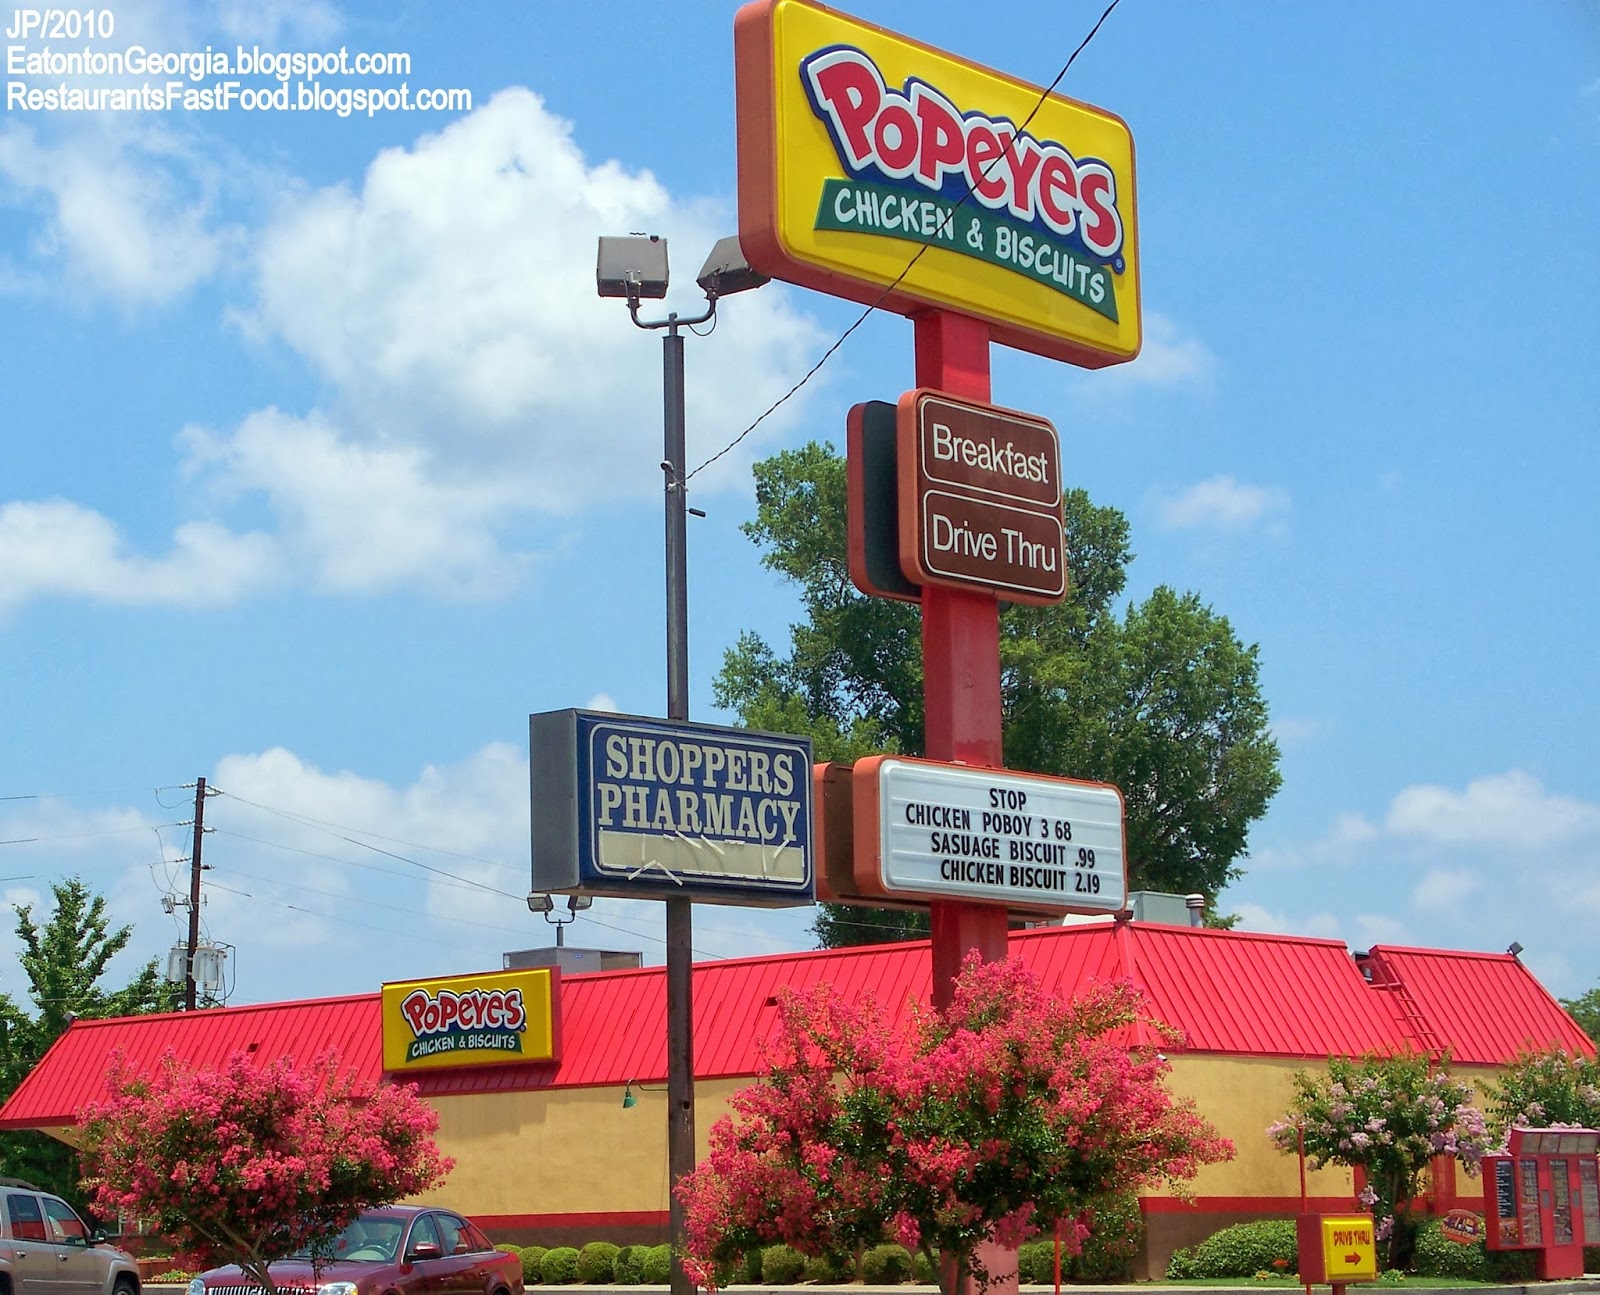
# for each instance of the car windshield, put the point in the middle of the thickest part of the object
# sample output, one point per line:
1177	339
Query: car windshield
372	1238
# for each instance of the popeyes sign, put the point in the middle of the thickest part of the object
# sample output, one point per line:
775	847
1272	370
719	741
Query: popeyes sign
493	1018
860	149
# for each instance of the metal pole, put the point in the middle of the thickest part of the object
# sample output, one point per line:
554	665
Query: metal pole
680	990
194	891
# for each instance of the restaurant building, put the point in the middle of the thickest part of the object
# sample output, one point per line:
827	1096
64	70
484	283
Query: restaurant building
568	1142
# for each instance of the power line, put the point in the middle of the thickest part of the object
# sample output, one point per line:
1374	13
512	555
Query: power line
337	828
917	256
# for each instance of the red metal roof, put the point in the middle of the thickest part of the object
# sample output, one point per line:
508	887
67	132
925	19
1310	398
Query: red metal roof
1481	1008
1229	992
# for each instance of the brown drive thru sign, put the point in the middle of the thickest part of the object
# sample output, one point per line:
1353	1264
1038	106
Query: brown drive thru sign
980	498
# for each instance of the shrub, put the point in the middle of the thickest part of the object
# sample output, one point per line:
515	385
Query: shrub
596	1262
1180	1268
1245	1249
657	1267
751	1269
559	1267
1438	1256
886	1265
1510	1267
532	1258
828	1269
782	1266
1116	1235
1036	1263
627	1270
177	1277
922	1270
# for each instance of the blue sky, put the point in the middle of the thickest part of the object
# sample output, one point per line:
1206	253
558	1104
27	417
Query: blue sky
323	467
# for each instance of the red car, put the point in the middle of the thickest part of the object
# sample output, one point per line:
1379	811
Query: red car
397	1250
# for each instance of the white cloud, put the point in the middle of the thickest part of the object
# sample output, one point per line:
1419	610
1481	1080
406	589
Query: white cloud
1254	917
126	216
1445	890
476	380
362	518
1221	503
57	548
451	302
1505	810
1170	357
601	701
1341	845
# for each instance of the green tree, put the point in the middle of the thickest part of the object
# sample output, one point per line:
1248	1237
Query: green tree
1163	700
1540	1089
1585	1011
64	961
1388	1116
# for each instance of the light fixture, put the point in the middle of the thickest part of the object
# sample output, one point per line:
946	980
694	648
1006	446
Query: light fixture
727	272
634	267
1514	949
629	1101
546	904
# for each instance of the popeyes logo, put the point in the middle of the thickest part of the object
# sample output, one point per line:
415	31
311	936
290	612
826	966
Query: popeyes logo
477	1009
918	134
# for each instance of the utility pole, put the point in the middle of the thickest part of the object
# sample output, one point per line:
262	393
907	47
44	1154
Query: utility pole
194	891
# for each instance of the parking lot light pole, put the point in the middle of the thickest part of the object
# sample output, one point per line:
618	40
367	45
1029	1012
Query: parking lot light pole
635	268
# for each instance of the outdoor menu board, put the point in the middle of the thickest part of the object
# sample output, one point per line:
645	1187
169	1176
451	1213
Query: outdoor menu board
1505	1201
1528	1184
1589	1197
1560	1204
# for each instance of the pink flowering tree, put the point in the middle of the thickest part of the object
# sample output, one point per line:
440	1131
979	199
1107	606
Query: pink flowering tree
1546	1090
249	1163
1010	1112
1388	1116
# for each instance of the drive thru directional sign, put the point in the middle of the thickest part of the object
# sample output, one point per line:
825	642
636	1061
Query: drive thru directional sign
980	498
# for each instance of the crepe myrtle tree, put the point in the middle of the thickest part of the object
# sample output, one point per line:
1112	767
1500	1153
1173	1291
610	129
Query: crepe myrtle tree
249	1163
1388	1116
1010	1112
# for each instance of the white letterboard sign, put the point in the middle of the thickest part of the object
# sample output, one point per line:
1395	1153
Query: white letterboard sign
1008	838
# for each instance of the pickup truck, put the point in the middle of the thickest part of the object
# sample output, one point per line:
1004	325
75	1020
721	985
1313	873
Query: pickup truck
45	1249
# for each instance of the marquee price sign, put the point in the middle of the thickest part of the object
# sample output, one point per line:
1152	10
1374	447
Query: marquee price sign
925	829
859	149
980	498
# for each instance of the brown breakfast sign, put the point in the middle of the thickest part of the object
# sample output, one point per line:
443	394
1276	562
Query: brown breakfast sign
980	498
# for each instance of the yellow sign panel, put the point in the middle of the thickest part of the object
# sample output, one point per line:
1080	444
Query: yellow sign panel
860	150
1349	1248
492	1018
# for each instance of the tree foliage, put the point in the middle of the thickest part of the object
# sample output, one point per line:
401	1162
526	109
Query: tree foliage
1388	1116
1544	1089
64	961
1163	699
248	1164
1585	1010
1008	1112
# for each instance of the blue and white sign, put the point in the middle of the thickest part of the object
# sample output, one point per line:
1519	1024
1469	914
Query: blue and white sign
642	808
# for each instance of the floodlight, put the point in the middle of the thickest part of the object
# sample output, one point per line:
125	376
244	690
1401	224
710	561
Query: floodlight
633	267
577	903
727	272
1514	949
538	903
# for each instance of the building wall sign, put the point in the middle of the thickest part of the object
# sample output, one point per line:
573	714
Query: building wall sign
491	1018
859	148
980	492
642	808
925	829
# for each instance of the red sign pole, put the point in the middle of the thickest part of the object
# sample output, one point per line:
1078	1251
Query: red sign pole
960	655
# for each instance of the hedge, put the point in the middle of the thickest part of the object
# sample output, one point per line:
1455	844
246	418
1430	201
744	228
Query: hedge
532	1257
886	1265
657	1267
597	1263
1269	1245
559	1266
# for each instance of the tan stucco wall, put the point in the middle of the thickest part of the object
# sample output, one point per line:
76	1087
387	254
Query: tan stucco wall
565	1150
1242	1096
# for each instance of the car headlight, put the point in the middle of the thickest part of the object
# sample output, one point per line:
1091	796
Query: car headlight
197	1286
334	1288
